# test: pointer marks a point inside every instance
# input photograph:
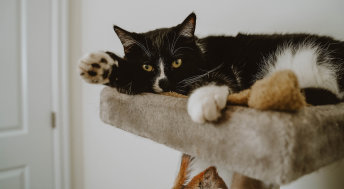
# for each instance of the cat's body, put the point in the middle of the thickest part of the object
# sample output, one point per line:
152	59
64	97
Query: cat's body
246	58
173	59
208	69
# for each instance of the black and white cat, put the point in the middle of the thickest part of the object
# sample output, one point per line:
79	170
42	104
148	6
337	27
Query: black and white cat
174	59
208	69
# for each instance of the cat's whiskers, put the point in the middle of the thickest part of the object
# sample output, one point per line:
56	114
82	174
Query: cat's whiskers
175	42
177	55
193	79
147	47
179	48
181	91
128	87
169	44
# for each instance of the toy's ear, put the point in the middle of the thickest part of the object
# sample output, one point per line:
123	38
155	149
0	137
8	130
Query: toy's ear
187	27
127	38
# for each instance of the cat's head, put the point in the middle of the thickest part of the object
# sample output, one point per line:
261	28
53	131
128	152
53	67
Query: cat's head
158	60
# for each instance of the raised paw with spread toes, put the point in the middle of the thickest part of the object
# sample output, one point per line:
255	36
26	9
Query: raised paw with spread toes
96	67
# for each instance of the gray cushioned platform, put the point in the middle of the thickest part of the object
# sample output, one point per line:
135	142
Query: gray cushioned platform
276	147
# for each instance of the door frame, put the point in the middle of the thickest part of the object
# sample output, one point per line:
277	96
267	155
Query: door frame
60	93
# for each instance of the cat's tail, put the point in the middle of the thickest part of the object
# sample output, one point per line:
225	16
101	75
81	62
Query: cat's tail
184	172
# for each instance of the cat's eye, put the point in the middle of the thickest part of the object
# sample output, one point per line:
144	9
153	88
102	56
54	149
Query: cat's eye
147	67
177	63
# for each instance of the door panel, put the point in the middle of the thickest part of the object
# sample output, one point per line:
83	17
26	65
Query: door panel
26	159
14	178
10	118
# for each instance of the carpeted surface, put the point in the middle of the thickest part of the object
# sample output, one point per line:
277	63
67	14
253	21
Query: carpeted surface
276	147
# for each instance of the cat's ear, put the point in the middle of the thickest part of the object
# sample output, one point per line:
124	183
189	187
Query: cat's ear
126	38
187	28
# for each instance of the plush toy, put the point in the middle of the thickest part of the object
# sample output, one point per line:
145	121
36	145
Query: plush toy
279	92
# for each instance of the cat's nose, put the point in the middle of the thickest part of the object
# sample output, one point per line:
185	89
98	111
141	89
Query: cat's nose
164	84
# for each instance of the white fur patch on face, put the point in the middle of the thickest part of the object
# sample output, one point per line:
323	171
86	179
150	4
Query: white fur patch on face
206	103
161	76
303	61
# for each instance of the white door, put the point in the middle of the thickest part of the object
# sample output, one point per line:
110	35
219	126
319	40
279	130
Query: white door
26	159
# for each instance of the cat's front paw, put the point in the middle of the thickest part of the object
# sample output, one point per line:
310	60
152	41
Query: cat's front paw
96	67
206	103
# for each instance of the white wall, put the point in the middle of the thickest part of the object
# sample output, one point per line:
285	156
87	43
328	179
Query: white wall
76	97
105	157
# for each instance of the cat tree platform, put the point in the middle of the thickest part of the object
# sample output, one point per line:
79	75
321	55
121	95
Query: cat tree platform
276	147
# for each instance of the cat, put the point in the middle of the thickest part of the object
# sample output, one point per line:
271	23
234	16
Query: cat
208	69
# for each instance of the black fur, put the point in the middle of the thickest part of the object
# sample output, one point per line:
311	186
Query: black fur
235	61
316	96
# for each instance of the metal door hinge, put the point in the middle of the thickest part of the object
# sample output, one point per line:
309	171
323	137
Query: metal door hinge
53	120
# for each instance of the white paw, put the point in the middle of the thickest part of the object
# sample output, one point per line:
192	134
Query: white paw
206	103
96	67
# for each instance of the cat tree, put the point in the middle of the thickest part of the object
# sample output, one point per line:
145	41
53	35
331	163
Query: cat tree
276	147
